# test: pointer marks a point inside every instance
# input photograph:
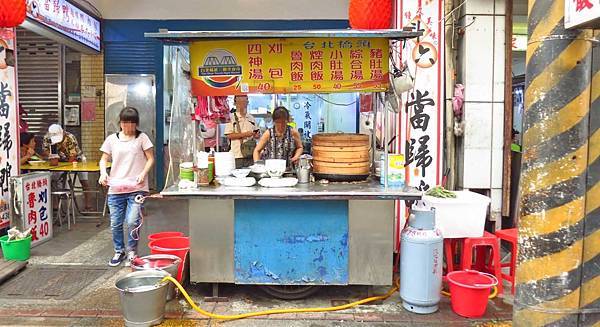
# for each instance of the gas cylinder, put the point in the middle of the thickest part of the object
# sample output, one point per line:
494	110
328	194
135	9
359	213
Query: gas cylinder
421	255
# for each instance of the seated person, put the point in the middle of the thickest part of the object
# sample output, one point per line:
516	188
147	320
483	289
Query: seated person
28	147
65	145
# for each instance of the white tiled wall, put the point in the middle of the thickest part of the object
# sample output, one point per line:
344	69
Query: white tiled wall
478	123
497	125
499	55
479	7
479	52
481	69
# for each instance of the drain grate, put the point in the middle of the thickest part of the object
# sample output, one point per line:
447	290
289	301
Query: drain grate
49	281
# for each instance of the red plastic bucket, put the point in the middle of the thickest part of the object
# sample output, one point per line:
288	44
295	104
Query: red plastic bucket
160	235
469	291
178	246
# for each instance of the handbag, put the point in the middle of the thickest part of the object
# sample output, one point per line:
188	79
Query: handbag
247	147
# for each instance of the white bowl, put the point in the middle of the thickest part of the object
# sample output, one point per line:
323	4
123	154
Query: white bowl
258	168
275	164
241	173
275	173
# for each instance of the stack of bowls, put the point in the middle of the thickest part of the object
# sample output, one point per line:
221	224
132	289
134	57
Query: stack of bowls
186	171
224	163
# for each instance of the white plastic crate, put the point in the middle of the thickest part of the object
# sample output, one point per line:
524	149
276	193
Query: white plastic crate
463	216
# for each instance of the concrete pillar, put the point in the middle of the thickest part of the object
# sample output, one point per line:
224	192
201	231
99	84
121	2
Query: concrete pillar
559	233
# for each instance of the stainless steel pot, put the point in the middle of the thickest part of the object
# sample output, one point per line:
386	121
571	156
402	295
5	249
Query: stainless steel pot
304	168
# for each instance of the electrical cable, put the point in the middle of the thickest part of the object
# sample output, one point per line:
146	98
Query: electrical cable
335	104
451	12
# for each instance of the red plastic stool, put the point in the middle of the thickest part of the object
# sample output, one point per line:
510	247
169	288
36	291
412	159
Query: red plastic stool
510	236
490	242
450	250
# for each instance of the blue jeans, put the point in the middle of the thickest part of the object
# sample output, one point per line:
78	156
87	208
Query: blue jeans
124	210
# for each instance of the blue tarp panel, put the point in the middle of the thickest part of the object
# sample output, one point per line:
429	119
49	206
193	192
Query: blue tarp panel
291	242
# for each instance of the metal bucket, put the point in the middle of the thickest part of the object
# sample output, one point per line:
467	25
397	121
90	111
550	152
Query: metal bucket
165	262
143	297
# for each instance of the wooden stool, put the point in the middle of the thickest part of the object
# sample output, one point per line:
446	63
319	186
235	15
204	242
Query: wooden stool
490	242
510	236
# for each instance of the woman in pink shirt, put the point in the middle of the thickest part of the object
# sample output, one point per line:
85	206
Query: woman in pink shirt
131	154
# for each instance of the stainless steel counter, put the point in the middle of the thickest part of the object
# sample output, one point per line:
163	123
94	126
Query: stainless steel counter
333	191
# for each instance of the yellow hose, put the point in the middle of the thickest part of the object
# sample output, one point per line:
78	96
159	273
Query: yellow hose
276	311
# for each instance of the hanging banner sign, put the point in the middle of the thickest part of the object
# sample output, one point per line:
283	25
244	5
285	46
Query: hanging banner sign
422	121
298	65
9	140
66	19
582	13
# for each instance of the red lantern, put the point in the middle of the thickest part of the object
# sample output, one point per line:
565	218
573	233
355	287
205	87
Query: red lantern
12	12
370	14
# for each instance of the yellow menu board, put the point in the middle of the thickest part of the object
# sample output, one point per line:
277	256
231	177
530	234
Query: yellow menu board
292	65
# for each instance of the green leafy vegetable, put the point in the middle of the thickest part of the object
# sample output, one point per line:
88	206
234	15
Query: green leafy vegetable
440	192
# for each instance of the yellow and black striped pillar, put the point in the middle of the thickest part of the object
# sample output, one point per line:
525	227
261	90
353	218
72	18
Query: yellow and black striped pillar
553	226
590	284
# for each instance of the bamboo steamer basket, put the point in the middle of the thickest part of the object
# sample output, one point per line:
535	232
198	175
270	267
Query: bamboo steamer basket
341	156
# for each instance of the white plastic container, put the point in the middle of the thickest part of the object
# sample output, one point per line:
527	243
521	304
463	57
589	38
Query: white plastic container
463	216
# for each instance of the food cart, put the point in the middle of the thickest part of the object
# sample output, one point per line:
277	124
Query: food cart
289	239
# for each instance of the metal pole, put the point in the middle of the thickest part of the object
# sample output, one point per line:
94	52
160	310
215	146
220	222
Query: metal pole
374	135
385	141
552	188
450	146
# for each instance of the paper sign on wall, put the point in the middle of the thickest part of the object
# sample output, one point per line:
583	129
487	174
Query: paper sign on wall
88	110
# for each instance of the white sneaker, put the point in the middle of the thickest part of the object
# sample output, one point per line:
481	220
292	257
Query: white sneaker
130	256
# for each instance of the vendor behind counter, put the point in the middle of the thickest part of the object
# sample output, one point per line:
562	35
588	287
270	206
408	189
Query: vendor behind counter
280	142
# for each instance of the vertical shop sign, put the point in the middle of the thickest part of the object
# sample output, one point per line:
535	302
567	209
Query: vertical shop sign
9	144
421	123
36	208
279	66
582	13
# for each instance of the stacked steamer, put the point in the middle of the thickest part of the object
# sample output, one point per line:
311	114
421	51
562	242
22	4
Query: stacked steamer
341	157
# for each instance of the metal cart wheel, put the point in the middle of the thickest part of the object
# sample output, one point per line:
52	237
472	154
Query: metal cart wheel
290	292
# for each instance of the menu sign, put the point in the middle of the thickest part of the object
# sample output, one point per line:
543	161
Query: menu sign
66	19
9	143
298	65
37	210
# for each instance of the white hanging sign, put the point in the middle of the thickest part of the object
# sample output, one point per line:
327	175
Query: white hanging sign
9	138
422	120
582	13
